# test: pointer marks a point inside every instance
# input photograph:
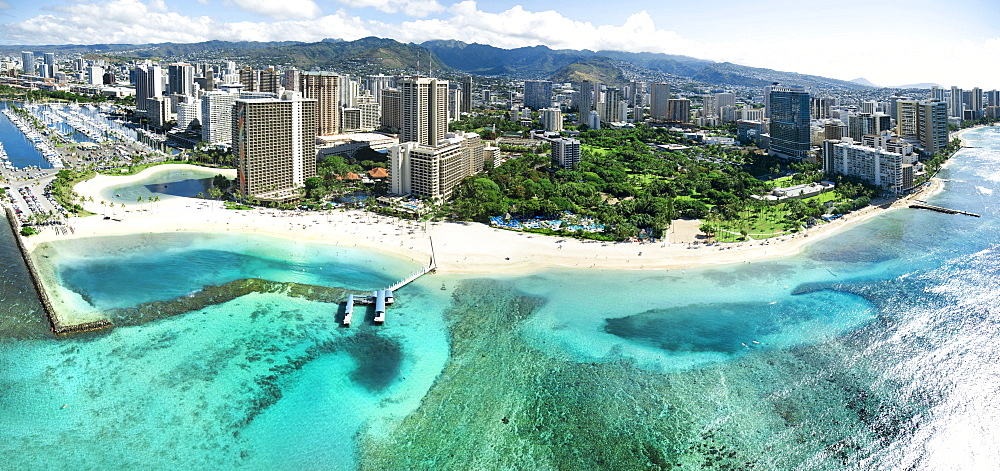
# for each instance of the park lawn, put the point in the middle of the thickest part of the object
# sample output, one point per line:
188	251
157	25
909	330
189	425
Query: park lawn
598	151
825	197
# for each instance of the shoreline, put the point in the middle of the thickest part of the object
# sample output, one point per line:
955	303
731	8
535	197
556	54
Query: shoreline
460	247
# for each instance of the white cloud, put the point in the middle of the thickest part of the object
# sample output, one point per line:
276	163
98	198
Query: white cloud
131	21
281	9
4	5
418	8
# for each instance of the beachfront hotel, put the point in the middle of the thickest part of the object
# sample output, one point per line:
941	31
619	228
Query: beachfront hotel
275	144
433	171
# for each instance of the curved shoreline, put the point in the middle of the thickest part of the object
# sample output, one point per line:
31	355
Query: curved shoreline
461	248
97	185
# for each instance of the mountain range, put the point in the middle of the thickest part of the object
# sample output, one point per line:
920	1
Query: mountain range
537	62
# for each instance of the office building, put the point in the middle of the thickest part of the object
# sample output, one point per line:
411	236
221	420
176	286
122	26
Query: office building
767	99
217	118
250	78
537	94
324	88
679	110
180	79
347	89
424	110
789	124
551	119
275	145
659	97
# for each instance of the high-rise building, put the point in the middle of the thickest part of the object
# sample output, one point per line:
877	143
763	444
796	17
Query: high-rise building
467	94
392	109
886	164
537	94
860	124
956	106
565	151
28	62
659	97
722	100
275	145
424	110
433	171
347	89
291	79
454	104
976	102
585	101
95	75
217	118
611	108
820	107
49	65
188	113
376	83
323	87
924	122
937	93
148	85
679	110
250	79
767	99
993	98
551	119
180	78
789	127
270	81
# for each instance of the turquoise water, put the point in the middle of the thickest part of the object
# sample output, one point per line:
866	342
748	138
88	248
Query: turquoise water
874	349
165	184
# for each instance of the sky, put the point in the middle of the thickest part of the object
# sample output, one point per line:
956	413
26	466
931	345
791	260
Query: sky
888	42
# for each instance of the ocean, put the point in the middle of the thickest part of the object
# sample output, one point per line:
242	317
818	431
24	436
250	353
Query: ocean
876	348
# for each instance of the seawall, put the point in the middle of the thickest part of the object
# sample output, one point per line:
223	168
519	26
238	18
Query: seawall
56	324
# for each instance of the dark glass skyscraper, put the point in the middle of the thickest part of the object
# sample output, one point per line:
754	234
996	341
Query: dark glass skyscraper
789	122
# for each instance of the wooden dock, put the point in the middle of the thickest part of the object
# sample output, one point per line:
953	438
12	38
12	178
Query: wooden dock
919	204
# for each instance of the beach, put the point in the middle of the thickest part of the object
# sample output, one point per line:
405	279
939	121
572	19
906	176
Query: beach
459	247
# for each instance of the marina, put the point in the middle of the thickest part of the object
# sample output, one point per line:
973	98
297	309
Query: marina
39	141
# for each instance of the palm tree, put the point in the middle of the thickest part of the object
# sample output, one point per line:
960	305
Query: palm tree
139	200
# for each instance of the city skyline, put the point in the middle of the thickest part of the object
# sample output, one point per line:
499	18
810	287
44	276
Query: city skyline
877	42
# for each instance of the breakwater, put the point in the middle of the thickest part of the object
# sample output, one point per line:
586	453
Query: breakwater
56	324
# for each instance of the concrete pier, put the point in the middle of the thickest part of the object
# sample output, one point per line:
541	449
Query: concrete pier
918	204
56	324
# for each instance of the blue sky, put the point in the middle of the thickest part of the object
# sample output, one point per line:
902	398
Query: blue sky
887	42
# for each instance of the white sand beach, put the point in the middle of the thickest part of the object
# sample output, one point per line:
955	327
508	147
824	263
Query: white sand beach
459	247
